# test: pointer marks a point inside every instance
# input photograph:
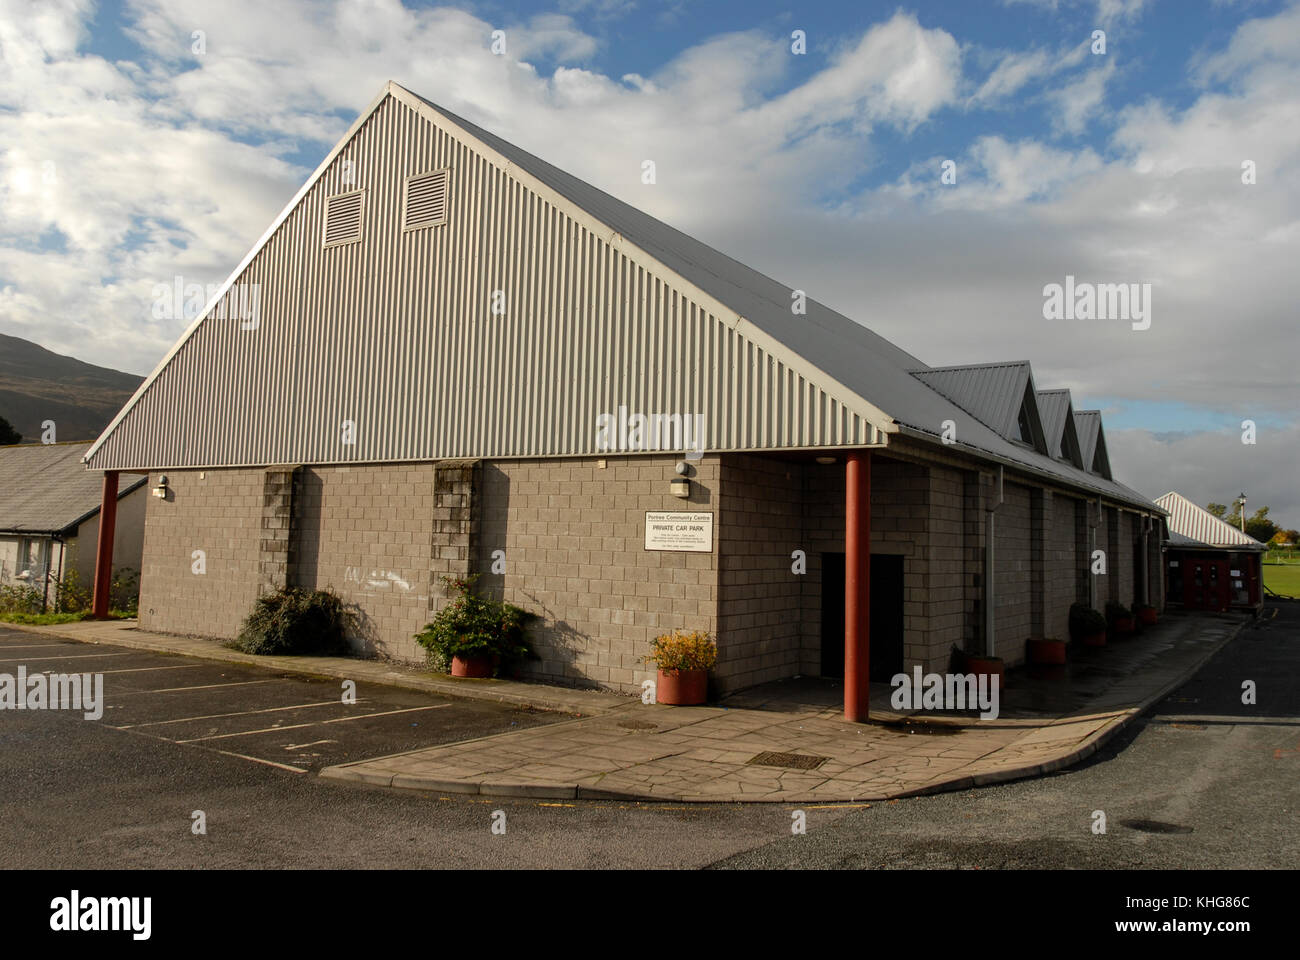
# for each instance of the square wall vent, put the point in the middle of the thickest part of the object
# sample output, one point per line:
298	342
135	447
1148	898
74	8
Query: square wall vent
426	200
343	216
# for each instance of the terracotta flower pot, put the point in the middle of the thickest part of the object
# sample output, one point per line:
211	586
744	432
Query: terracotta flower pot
474	666
1044	651
987	666
1147	615
682	688
1097	639
1124	625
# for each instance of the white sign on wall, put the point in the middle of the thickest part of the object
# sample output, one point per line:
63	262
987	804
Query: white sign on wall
679	530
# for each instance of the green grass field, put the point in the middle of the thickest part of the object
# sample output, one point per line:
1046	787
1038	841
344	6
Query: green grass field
1283	578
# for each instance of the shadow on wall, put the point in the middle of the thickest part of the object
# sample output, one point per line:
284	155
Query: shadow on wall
363	634
558	644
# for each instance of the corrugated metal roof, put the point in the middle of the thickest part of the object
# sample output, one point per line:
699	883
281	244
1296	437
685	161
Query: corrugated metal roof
1200	527
993	392
1092	441
1053	407
786	380
45	488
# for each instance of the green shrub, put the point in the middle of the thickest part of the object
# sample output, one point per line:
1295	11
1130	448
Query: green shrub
1117	611
1085	621
474	626
294	621
21	598
124	591
70	594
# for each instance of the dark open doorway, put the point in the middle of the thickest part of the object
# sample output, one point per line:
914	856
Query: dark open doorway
886	616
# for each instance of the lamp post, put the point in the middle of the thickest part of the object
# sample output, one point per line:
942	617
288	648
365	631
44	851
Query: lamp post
1241	499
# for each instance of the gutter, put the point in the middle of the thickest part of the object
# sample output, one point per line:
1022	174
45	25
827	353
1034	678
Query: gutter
1075	486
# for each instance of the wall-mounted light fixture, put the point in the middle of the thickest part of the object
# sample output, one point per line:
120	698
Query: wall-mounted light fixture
825	461
160	491
682	487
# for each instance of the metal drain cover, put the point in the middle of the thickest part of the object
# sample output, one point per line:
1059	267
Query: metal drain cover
796	761
1155	826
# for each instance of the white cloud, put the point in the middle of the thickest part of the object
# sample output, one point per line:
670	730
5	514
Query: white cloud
177	163
1078	102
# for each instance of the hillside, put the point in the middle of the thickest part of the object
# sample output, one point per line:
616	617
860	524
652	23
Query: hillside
37	385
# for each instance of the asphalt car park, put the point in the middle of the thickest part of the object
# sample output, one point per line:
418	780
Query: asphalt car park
289	721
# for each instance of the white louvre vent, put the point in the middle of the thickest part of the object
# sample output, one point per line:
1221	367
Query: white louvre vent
426	200
343	213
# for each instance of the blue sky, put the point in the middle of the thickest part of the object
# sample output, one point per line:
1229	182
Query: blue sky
126	161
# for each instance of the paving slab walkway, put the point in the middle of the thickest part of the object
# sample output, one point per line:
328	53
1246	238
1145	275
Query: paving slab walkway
706	754
619	748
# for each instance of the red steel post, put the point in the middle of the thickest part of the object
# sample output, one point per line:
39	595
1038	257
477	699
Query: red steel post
857	586
104	549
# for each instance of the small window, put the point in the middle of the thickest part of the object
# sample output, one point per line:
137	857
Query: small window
1026	434
426	200
343	215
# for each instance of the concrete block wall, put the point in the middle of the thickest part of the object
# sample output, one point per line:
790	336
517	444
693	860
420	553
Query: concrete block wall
367	533
1013	574
945	578
1125	558
975	499
1064	557
900	518
220	513
573	535
277	525
1108	540
759	595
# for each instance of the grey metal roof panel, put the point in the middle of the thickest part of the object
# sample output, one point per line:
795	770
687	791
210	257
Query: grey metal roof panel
45	488
1087	423
1053	406
857	358
881	372
993	392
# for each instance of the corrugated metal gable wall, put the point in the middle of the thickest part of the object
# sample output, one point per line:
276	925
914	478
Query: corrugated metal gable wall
396	333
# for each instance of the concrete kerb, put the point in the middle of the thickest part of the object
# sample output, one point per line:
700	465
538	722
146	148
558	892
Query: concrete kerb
959	781
566	701
1091	745
569	791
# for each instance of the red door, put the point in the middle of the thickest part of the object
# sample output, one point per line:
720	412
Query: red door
1206	585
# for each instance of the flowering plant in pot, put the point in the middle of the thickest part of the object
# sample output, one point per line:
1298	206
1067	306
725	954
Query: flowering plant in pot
1120	618
1087	625
684	661
472	634
1045	650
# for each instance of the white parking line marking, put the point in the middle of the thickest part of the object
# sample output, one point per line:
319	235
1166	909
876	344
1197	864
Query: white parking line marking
239	713
28	646
183	666
299	726
199	686
303	746
269	763
78	656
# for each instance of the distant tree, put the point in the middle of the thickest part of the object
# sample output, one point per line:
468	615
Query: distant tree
1218	509
8	434
1260	526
